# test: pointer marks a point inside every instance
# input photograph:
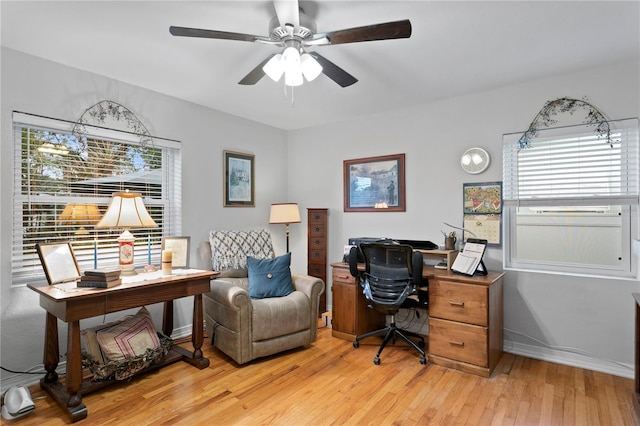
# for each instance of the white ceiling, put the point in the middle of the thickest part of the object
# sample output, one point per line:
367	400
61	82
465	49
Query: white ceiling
456	47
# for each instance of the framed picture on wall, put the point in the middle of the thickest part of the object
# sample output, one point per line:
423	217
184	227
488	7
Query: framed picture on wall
374	184
239	179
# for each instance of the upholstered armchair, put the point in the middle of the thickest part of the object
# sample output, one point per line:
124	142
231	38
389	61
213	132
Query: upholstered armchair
244	327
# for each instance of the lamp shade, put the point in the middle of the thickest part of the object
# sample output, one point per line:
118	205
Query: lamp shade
126	210
80	214
284	213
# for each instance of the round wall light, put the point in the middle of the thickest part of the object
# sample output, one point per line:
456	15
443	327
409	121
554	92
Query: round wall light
475	160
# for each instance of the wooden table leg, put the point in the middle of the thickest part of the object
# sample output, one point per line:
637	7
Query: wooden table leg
73	378
51	349
167	318
68	395
197	337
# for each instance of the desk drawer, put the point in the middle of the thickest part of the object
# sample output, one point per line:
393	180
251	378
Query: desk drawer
342	276
458	302
457	341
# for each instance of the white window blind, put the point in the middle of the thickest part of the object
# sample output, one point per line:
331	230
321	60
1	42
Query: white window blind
571	201
578	167
63	186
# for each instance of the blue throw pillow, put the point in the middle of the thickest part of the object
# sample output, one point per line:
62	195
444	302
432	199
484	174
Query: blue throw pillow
270	277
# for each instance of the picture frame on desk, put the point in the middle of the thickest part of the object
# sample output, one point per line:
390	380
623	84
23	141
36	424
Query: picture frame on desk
179	247
59	262
375	184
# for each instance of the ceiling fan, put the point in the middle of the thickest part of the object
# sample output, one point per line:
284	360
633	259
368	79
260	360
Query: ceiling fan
293	31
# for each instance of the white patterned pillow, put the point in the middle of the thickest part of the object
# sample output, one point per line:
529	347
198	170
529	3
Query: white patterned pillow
229	250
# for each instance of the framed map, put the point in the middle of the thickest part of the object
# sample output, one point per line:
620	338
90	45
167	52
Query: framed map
483	211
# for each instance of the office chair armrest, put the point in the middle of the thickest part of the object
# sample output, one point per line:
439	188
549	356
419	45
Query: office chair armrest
353	262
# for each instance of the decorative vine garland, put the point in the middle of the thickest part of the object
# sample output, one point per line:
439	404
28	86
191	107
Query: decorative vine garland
99	112
562	105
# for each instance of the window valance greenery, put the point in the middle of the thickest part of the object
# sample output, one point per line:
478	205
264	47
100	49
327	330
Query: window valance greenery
544	118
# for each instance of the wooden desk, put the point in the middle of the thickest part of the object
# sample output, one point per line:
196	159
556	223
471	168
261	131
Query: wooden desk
73	306
465	316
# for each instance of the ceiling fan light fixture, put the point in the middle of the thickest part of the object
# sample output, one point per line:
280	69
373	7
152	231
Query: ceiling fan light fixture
310	67
291	59
293	77
274	68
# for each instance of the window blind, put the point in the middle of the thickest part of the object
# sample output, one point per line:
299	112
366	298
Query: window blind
63	185
573	168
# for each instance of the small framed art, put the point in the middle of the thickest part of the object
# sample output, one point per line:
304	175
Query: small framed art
374	184
179	247
59	262
239	179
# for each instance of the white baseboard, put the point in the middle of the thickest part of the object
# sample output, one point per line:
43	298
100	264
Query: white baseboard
571	359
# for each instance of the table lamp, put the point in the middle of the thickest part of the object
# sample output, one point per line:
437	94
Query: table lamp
126	211
80	215
285	213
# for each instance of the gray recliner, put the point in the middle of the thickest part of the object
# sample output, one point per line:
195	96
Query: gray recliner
246	328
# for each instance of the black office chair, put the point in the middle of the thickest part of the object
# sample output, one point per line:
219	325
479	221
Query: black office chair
392	273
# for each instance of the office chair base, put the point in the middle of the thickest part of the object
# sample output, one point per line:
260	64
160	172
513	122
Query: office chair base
390	333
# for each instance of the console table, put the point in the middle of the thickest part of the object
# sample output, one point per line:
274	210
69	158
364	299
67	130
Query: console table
465	316
71	304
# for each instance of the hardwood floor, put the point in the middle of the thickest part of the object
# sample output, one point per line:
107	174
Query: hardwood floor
333	383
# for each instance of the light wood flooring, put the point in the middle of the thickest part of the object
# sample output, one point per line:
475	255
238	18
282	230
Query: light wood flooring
333	383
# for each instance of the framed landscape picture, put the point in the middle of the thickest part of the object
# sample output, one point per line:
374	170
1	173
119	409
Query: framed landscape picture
375	184
239	179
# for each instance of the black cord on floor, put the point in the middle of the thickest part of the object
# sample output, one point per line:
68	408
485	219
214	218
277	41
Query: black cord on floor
22	372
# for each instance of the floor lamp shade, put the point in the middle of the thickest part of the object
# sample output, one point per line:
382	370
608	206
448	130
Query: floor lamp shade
126	211
285	213
80	215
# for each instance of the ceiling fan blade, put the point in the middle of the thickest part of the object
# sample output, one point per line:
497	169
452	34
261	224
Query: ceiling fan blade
334	72
385	31
288	12
224	35
255	74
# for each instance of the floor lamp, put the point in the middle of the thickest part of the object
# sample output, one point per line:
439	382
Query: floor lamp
284	213
126	211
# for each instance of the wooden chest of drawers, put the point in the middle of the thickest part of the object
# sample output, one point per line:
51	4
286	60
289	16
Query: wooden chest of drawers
317	222
465	322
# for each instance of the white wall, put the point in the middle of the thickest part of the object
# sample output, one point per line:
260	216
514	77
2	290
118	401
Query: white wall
32	85
305	166
594	316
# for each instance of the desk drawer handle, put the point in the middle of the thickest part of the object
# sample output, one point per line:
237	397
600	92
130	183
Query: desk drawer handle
344	277
456	343
456	303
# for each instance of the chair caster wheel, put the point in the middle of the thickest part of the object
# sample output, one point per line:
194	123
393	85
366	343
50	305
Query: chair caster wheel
356	344
376	360
423	361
